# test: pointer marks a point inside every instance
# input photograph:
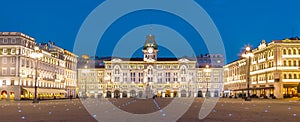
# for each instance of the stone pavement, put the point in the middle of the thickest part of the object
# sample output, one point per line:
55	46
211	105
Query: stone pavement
226	110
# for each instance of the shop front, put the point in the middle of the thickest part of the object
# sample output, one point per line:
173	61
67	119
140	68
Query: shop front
43	93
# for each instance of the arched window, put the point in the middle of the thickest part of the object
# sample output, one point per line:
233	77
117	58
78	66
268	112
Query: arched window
183	70
117	70
284	63
150	71
290	76
295	76
284	51
294	51
272	53
290	51
284	76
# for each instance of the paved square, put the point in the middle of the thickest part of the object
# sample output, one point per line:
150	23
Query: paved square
233	110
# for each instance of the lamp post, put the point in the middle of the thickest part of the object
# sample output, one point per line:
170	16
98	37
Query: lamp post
248	54
36	55
206	70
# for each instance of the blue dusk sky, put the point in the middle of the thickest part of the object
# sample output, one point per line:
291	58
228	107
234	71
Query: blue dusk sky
239	22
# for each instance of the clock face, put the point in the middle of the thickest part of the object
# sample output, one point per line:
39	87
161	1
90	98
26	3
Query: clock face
150	50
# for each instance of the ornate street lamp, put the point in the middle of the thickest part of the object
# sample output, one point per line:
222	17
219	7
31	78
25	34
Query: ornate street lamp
248	54
206	70
36	55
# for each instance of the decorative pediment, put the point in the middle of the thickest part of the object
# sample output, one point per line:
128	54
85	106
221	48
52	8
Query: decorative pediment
116	60
183	60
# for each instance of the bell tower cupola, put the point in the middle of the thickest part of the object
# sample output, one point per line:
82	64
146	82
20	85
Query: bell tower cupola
150	49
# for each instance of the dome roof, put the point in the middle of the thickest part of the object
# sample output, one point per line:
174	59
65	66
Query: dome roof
150	42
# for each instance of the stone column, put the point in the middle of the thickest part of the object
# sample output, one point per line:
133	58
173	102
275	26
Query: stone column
267	91
278	88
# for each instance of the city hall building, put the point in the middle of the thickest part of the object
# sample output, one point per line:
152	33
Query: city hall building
151	75
274	70
25	64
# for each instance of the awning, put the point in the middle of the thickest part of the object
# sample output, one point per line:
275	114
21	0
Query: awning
45	91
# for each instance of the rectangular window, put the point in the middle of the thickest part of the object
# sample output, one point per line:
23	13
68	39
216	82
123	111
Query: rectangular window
4	71
175	79
13	41
12	60
12	71
3	82
23	62
5	41
4	60
12	82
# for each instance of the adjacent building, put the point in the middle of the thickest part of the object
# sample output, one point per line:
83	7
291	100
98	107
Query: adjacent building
55	70
274	70
148	76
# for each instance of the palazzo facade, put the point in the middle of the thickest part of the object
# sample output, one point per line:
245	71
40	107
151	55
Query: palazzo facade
55	70
274	70
148	76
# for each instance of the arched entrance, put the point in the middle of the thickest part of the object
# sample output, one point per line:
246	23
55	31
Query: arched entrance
140	94
200	93
216	94
4	94
124	95
132	93
108	94
183	93
116	94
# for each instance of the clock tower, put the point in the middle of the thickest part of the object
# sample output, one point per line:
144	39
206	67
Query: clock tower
150	49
